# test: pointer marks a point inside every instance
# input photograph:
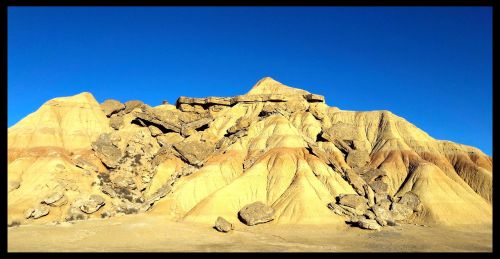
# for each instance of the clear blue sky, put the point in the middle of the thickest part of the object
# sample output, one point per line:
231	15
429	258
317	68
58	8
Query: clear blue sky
432	66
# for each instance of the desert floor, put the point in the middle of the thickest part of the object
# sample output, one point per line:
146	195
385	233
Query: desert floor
146	233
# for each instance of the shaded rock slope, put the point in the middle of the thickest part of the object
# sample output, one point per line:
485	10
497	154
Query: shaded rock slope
206	158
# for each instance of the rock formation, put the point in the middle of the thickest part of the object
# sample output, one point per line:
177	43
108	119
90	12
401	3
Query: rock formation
275	155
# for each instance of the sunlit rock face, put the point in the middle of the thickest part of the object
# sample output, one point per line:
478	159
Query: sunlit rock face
205	158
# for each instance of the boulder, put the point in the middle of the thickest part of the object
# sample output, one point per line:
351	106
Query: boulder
359	203
169	120
54	199
370	195
194	152
75	213
343	210
116	121
358	158
37	212
190	128
356	182
28	213
368	224
411	200
381	197
256	213
169	139
85	164
241	123
111	106
370	215
379	186
314	98
123	182
381	221
400	211
106	151
223	225
131	105
370	174
155	131
383	214
160	193
109	191
94	203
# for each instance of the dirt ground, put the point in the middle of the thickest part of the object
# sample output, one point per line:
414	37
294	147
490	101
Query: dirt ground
146	233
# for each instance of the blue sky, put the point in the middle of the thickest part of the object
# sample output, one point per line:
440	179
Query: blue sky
431	66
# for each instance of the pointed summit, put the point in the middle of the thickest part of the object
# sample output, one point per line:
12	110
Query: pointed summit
268	85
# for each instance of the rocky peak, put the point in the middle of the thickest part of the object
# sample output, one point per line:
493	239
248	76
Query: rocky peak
268	85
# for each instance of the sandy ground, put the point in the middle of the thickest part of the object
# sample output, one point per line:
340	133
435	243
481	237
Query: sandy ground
145	233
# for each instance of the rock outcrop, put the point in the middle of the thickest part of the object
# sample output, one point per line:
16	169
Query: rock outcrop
208	159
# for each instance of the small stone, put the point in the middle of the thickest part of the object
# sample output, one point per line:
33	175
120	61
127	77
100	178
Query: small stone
223	225
28	213
40	211
381	222
109	191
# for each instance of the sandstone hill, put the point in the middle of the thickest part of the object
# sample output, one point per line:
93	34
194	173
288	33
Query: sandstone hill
275	155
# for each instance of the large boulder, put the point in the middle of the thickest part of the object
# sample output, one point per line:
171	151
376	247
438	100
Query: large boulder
111	106
93	204
256	213
356	182
368	224
106	151
165	120
379	186
131	105
37	212
56	199
358	158
342	210
194	152
222	225
411	200
155	131
383	215
370	195
116	121
400	211
358	203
